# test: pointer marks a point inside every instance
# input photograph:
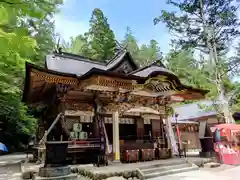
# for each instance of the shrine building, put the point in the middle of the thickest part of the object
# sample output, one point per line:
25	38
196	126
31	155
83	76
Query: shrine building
113	108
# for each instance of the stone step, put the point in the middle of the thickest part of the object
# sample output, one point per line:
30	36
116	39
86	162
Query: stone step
54	171
164	164
165	168
169	172
67	177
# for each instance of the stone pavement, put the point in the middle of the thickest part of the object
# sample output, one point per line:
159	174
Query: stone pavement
133	166
8	175
222	173
12	157
5	172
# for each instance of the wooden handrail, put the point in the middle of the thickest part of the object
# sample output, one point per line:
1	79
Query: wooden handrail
44	138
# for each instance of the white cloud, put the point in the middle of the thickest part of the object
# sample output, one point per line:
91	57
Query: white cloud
67	28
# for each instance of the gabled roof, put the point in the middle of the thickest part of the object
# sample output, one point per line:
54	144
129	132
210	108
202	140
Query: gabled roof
148	70
193	111
79	65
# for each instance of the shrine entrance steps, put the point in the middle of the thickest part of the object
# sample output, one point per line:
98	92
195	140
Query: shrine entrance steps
169	168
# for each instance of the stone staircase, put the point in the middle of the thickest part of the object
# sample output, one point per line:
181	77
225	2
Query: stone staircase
157	170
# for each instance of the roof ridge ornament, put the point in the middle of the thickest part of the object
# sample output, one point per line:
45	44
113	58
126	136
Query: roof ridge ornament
158	62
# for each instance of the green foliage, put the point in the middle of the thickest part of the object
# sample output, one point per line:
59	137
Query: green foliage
208	26
204	25
98	43
144	55
191	71
77	45
19	42
130	43
149	53
101	39
195	73
218	17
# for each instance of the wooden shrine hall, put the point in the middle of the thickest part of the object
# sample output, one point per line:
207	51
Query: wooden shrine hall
113	108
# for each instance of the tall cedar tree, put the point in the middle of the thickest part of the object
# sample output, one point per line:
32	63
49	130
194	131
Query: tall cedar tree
149	53
101	38
130	43
76	45
209	26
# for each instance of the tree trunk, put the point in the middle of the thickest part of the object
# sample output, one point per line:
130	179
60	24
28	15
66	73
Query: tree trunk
171	135
224	106
209	32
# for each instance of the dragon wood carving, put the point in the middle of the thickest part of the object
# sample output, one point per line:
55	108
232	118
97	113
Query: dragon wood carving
158	84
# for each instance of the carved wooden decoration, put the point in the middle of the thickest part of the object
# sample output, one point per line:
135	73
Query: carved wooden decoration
71	105
51	78
125	68
105	83
126	101
158	84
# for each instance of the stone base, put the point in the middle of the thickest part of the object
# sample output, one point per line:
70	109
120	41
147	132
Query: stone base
116	162
14	166
207	154
212	165
54	171
67	177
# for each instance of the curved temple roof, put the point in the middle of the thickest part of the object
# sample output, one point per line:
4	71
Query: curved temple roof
79	65
72	68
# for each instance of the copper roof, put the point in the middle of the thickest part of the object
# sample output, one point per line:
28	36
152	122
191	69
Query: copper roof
79	65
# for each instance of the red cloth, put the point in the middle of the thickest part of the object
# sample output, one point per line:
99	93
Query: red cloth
228	126
226	129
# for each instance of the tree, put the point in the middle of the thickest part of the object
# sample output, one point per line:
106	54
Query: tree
149	53
77	45
208	26
130	43
143	55
43	32
100	38
17	45
191	71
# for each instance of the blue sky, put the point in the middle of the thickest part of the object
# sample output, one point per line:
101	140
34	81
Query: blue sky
137	14
74	16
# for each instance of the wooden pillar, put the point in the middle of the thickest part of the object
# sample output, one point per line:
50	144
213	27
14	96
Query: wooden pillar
96	131
96	118
156	128
40	130
116	146
60	124
140	128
